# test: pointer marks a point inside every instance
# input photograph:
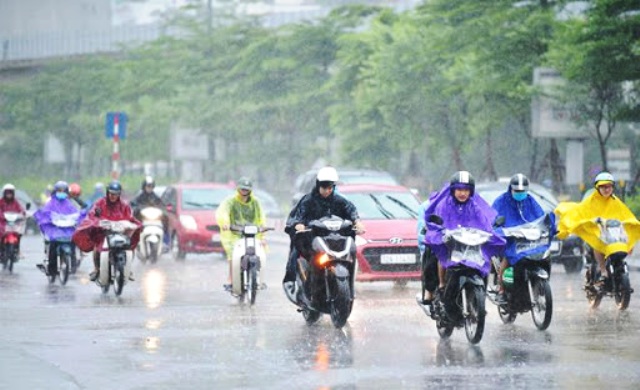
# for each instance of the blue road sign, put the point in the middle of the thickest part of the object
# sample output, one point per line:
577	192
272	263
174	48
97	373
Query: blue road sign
122	124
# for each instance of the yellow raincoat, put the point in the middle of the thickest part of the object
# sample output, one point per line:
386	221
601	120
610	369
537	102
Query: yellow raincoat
233	211
579	219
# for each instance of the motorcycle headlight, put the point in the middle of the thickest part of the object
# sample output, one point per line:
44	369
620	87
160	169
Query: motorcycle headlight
361	241
188	222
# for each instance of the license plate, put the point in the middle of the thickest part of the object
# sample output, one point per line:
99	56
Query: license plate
215	238
403	258
555	246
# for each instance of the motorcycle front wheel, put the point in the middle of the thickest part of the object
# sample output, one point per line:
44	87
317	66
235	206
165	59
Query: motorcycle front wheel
119	277
341	303
542	299
474	322
252	285
10	257
623	292
63	267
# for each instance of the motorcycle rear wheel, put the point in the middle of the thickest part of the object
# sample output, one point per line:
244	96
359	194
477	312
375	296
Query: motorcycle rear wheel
63	268
542	309
623	293
341	303
474	322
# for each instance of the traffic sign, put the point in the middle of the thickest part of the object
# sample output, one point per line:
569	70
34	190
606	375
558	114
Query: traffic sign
121	119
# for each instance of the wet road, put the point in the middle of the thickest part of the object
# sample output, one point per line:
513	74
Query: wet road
174	327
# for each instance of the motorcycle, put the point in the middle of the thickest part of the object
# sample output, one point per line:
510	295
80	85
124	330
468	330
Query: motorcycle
527	281
14	229
66	262
247	261
463	301
324	282
150	247
612	233
116	255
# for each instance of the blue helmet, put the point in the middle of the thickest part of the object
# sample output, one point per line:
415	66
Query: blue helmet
114	187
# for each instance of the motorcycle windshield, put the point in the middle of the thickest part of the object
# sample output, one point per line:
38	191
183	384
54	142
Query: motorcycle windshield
151	213
609	235
465	248
531	240
15	223
65	220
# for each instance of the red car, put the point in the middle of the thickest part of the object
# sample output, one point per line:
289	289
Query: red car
389	248
192	221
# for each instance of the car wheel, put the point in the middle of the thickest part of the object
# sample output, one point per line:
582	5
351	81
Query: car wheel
177	253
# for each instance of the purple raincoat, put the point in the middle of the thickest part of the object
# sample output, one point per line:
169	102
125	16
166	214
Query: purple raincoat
475	213
46	215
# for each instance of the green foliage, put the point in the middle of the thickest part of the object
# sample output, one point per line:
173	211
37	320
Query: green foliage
634	205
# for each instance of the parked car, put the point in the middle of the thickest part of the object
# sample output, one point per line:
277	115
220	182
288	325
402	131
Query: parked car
568	252
305	182
389	248
192	223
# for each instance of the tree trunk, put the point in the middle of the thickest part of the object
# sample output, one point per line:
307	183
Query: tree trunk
557	168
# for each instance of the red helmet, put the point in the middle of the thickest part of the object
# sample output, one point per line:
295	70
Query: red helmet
75	190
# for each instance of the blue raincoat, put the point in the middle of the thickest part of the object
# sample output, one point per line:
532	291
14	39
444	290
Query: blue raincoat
475	213
45	215
517	214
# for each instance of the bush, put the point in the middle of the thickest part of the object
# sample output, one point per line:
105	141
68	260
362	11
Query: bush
634	204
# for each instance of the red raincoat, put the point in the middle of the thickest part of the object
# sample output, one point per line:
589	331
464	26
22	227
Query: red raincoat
13	207
89	235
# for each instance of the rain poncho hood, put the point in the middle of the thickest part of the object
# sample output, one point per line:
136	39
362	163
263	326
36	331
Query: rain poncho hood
233	211
89	234
475	213
579	219
517	214
45	216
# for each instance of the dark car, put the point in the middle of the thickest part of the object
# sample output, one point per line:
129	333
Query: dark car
192	217
305	182
570	251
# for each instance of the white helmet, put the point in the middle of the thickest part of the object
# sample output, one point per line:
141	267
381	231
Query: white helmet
602	178
327	174
8	187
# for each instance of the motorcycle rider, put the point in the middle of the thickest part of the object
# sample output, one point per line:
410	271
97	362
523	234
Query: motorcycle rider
518	207
148	198
89	236
60	204
602	203
8	203
322	201
74	193
98	193
241	208
459	206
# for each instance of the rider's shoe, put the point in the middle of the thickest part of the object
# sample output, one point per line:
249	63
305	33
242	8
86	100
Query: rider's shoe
42	268
131	278
94	275
227	287
501	298
291	290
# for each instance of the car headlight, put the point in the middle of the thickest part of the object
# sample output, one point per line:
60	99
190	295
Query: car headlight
361	241
188	222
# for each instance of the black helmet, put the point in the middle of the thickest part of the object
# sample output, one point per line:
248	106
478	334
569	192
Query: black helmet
148	181
114	187
519	182
463	179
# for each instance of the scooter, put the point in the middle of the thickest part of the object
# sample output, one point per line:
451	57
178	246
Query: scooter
248	259
324	281
64	247
150	247
116	255
527	281
617	284
14	229
462	304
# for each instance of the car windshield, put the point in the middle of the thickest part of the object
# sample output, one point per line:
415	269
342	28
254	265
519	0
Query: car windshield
203	198
385	205
546	200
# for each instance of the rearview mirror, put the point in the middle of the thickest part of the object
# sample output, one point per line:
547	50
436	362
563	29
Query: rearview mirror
28	205
499	221
435	219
